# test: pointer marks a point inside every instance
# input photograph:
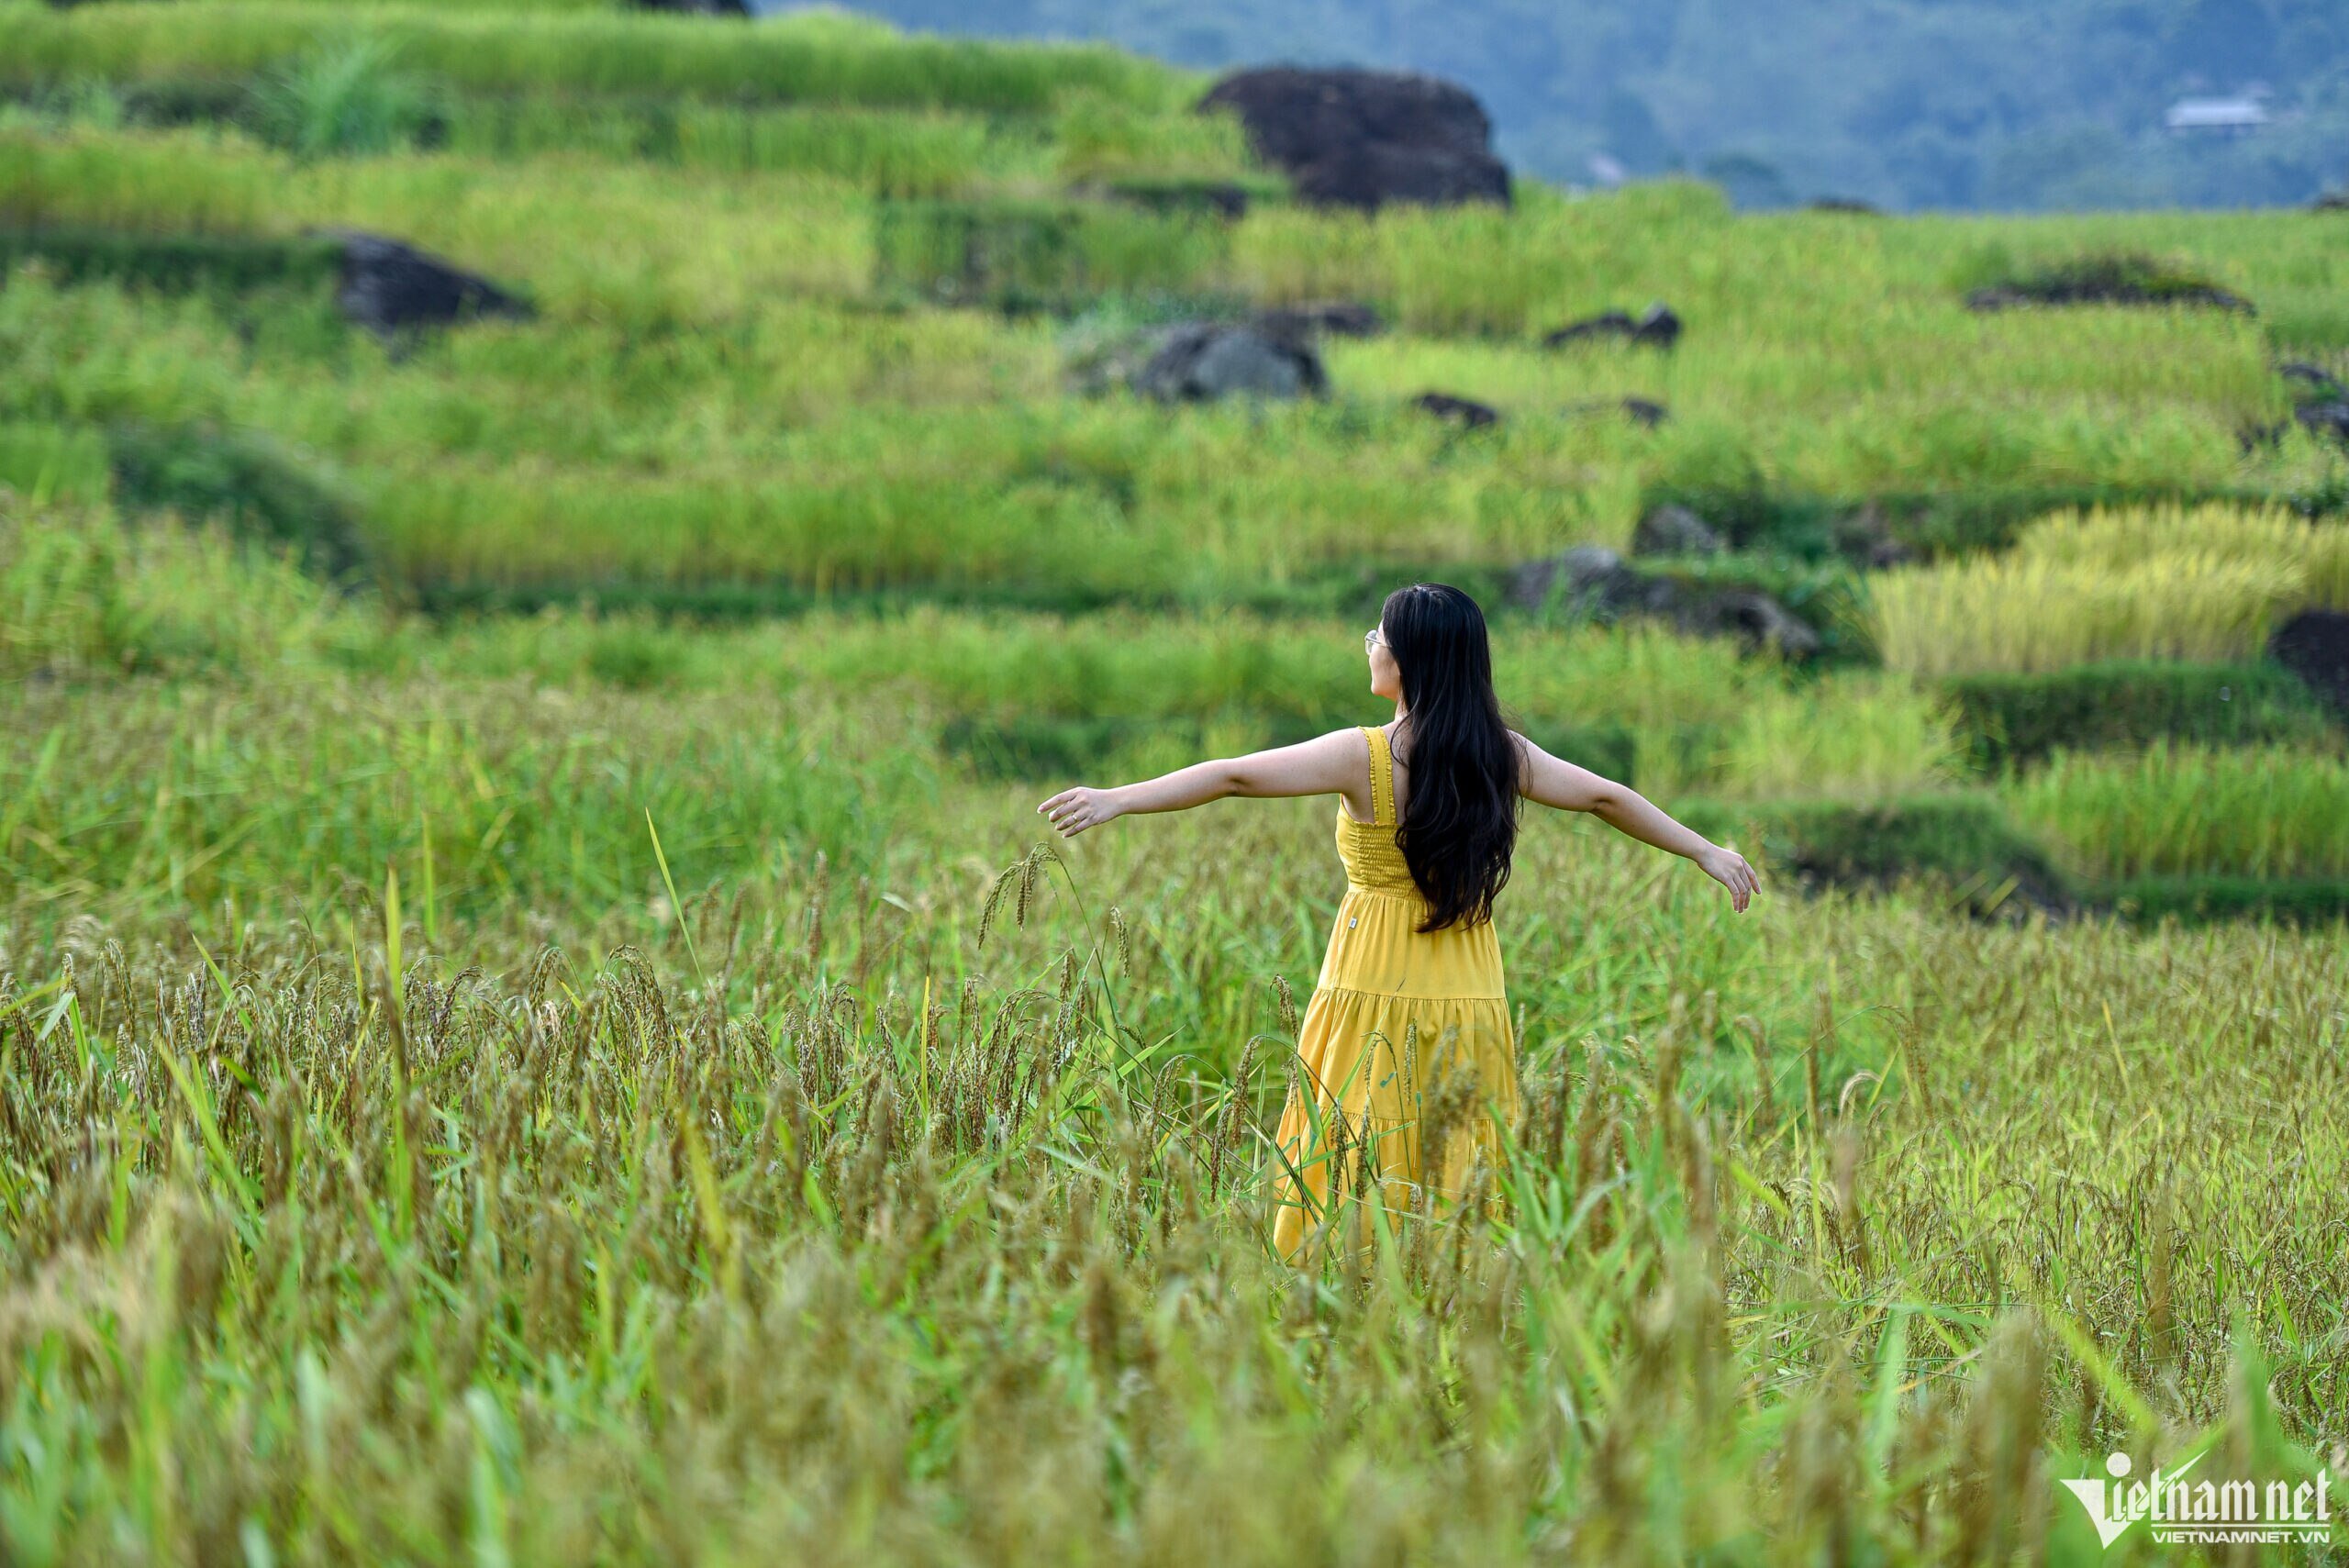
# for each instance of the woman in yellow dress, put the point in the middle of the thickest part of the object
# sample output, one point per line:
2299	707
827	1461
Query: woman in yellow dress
1409	1007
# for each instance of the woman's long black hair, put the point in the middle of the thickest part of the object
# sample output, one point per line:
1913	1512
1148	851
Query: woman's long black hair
1461	824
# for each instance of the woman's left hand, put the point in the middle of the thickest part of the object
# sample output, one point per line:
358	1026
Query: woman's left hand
1728	868
1074	810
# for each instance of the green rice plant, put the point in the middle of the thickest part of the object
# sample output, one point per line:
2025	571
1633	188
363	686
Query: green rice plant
801	59
628	377
346	99
2016	613
243	481
1673	712
1961	837
604	240
223	264
2114	537
143	185
53	462
1027	253
932	153
2175	808
2019	718
2325	557
1864	735
1864	379
2202	584
1097	136
81	101
86	596
753	1097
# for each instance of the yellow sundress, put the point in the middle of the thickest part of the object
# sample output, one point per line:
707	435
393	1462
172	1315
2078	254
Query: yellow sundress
1394	1013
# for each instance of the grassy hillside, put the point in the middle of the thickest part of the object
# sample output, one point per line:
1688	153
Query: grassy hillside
520	1041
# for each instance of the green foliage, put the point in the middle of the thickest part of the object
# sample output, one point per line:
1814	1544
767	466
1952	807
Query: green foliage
53	462
1099	137
85	597
1015	255
805	59
345	99
225	264
894	153
2022	718
242	479
1963	837
2178	808
812	1202
2201	899
2200	583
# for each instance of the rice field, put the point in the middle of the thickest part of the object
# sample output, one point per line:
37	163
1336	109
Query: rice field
538	1024
2203	584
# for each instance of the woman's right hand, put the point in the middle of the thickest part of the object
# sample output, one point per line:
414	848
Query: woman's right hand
1728	868
1074	810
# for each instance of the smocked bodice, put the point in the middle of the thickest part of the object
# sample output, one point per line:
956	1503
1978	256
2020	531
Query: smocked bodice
1374	863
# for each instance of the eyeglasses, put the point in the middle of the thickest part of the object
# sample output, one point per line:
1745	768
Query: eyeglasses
1371	639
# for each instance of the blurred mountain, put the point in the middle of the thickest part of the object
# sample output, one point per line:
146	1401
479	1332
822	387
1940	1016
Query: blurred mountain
1903	104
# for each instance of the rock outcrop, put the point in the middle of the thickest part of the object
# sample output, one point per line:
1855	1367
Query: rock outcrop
1644	411
1656	327
1466	412
2314	645
1672	529
391	288
1592	580
1364	138
1202	362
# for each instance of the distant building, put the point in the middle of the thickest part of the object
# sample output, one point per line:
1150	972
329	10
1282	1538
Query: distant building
2216	117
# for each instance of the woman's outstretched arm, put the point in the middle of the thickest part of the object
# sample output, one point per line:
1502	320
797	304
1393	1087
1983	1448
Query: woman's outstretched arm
1324	765
1552	781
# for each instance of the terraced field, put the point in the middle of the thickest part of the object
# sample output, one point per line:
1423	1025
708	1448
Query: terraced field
520	1042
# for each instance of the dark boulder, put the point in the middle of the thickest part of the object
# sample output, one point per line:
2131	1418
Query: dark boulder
1201	362
2009	297
390	288
1851	204
1647	413
2331	201
2261	435
1673	529
1654	327
1464	412
1362	138
1749	615
1588	579
1592	580
1867	537
2330	419
1332	318
2312	383
2107	280
2314	645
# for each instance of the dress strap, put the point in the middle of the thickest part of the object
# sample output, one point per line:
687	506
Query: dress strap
1382	777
